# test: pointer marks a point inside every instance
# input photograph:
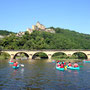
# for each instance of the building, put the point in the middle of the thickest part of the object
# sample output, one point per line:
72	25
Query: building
20	34
29	30
39	27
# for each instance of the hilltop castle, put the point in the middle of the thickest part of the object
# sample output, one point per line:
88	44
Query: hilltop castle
38	27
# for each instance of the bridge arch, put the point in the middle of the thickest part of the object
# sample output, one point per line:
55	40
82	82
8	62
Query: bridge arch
80	55
40	55
5	55
21	55
59	55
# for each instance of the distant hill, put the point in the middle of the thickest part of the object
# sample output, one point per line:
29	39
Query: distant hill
5	32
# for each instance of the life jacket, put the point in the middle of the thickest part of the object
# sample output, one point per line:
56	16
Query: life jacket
75	65
58	65
15	64
69	64
62	66
11	61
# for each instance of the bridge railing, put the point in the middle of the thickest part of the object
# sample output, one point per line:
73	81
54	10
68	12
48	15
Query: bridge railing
50	50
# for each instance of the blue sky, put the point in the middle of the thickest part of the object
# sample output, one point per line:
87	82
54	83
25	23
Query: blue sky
18	15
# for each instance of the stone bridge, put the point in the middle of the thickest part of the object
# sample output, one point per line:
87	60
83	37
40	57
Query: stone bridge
49	53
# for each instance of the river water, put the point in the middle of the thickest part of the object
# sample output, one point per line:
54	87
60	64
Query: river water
42	75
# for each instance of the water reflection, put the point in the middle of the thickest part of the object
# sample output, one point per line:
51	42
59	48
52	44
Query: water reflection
75	72
14	72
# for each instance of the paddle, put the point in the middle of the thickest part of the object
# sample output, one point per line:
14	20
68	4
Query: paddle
22	65
65	67
80	66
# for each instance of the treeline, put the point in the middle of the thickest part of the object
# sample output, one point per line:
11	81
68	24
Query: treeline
62	39
5	32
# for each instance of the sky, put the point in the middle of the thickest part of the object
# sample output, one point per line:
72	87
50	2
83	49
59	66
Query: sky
18	15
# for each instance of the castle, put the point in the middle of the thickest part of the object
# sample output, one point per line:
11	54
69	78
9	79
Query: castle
38	27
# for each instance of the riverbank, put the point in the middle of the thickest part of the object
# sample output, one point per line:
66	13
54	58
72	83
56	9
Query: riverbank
68	60
3	58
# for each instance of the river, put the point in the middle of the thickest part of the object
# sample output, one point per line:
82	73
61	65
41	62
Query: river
42	75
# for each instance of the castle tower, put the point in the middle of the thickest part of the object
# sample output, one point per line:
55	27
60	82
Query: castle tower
40	26
34	27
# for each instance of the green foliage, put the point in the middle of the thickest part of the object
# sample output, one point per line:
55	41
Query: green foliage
40	54
79	55
62	39
4	56
5	32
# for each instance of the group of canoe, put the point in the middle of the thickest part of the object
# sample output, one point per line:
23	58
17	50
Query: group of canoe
15	64
62	66
86	61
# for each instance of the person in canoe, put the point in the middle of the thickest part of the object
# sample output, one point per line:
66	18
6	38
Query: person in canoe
76	64
69	64
62	65
15	64
58	64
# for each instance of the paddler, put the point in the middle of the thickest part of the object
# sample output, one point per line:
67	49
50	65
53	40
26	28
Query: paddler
76	64
69	64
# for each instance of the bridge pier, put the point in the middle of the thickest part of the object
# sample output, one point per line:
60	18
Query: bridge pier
69	55
12	56
88	56
30	56
49	56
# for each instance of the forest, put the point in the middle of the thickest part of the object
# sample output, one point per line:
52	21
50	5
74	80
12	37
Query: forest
5	32
62	39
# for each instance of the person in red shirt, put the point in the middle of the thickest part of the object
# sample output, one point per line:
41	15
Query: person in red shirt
15	64
62	65
58	65
75	64
69	64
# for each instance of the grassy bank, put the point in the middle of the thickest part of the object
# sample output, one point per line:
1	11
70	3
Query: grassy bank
4	58
67	60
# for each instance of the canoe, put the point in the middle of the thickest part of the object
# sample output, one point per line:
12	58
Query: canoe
53	61
58	68
85	61
14	67
74	68
10	62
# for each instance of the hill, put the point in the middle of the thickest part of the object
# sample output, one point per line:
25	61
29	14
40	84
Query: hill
62	39
5	32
